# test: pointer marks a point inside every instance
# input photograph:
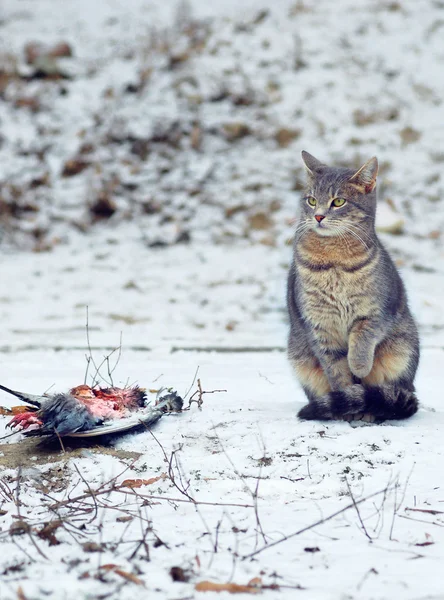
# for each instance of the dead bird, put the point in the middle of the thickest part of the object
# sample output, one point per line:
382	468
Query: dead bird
84	408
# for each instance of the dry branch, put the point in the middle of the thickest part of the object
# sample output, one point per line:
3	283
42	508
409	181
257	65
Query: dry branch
319	522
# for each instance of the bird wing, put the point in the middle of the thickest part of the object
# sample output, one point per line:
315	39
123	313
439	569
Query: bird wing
169	403
28	398
120	426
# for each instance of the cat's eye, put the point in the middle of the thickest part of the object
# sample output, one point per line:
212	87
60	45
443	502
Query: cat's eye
311	201
337	202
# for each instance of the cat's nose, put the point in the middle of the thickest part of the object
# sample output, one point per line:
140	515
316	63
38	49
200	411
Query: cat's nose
319	218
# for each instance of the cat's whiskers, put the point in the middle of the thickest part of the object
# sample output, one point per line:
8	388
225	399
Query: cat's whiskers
344	238
337	226
302	228
349	230
358	229
337	230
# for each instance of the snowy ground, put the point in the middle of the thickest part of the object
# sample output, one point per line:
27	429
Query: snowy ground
173	233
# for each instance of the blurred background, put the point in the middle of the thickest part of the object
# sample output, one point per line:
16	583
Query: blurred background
150	158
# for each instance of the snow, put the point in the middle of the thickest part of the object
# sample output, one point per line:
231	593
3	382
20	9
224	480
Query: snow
355	80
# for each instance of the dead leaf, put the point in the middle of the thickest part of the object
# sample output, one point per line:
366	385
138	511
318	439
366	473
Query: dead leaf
92	547
124	574
124	519
84	575
20	593
109	567
137	483
232	588
47	532
129	576
257	581
5	411
424	544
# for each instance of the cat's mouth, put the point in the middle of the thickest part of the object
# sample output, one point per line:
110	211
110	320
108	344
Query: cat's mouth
323	229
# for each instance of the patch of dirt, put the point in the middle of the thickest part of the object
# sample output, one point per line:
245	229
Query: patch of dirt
35	452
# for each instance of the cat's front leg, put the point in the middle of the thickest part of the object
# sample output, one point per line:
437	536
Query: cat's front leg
365	335
333	360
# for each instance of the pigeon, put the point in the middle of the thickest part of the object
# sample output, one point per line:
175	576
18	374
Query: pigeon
89	409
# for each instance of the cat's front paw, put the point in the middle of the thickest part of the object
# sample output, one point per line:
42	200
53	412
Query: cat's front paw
309	412
360	366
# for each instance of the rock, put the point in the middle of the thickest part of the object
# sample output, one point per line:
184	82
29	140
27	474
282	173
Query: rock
61	49
284	136
362	118
179	574
236	130
230	211
31	102
141	148
231	325
409	135
35	51
268	240
74	166
260	221
196	137
19	527
103	207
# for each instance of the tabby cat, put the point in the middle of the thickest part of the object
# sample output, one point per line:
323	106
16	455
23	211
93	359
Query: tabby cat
353	342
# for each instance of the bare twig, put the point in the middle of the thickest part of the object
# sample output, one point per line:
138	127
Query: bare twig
200	393
60	441
315	524
18	506
129	491
95	379
426	510
397	505
421	520
357	509
90	490
119	356
89	358
192	383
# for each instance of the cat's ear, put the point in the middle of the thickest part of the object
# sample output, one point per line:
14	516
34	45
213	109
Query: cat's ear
365	178
312	164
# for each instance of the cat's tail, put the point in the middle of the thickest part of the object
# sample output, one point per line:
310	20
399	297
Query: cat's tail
383	402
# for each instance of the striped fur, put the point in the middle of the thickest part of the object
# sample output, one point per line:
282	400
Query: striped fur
381	403
353	342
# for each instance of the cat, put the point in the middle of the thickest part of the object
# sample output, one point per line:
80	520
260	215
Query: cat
353	342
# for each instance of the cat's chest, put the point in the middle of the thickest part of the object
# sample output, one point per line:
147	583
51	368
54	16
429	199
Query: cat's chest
333	299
